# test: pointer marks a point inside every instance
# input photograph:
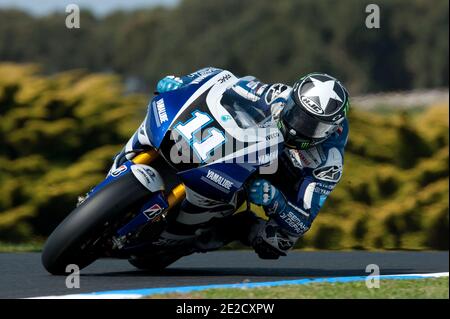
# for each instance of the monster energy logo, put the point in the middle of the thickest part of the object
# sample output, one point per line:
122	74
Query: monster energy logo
347	105
304	145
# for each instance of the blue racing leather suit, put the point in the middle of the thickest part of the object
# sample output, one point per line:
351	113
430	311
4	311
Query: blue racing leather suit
294	195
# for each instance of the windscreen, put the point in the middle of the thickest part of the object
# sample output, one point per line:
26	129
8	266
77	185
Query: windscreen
245	114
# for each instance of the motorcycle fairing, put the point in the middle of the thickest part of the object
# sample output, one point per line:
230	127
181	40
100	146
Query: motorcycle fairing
218	181
123	169
150	210
166	107
236	157
223	173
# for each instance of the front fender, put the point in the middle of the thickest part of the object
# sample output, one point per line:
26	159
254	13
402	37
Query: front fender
148	177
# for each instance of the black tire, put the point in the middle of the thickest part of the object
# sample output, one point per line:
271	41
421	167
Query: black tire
154	264
87	223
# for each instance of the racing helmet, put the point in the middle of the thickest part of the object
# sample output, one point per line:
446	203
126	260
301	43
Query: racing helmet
314	110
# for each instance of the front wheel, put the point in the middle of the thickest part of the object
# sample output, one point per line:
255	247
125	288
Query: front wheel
154	264
77	239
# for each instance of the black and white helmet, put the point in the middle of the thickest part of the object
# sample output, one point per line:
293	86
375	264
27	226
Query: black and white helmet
317	106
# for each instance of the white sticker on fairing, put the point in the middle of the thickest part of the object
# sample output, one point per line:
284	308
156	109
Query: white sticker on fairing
119	170
148	177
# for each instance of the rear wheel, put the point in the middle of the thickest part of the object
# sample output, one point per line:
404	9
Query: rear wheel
78	239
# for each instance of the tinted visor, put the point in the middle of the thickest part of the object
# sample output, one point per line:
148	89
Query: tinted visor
305	125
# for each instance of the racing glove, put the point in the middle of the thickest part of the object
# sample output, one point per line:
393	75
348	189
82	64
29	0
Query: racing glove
262	192
168	83
269	240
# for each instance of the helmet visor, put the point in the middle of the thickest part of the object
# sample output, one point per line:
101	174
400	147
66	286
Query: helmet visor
294	117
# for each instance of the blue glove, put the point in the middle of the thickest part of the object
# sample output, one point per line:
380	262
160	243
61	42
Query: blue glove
262	192
169	83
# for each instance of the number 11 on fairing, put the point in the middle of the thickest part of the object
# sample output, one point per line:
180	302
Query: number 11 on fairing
204	147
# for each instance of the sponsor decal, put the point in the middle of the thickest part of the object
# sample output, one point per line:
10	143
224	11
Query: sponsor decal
294	222
148	177
261	89
225	78
144	175
161	108
219	180
153	211
274	91
119	170
284	243
272	136
266	124
323	189
252	84
200	78
303	159
311	105
150	173
325	185
202	72
328	173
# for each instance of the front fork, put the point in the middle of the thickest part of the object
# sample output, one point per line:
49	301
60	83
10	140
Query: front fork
154	209
178	193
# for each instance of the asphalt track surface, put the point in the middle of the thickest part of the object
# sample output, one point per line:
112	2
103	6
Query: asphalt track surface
22	275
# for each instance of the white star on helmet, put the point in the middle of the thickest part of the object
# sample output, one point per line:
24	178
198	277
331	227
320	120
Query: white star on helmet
323	90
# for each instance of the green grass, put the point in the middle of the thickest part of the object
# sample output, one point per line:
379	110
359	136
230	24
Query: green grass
432	288
34	246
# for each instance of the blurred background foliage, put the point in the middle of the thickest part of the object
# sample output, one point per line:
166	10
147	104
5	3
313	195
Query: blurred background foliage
66	107
276	40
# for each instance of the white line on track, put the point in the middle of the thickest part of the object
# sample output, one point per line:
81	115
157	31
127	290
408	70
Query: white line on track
139	293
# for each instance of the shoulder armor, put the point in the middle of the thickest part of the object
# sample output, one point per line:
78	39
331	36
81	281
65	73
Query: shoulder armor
331	171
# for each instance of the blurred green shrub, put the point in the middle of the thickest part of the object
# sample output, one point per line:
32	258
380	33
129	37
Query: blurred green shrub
58	136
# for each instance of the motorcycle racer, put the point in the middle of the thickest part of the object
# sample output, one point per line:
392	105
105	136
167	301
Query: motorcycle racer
311	115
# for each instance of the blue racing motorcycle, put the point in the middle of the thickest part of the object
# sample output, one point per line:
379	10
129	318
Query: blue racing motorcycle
199	137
